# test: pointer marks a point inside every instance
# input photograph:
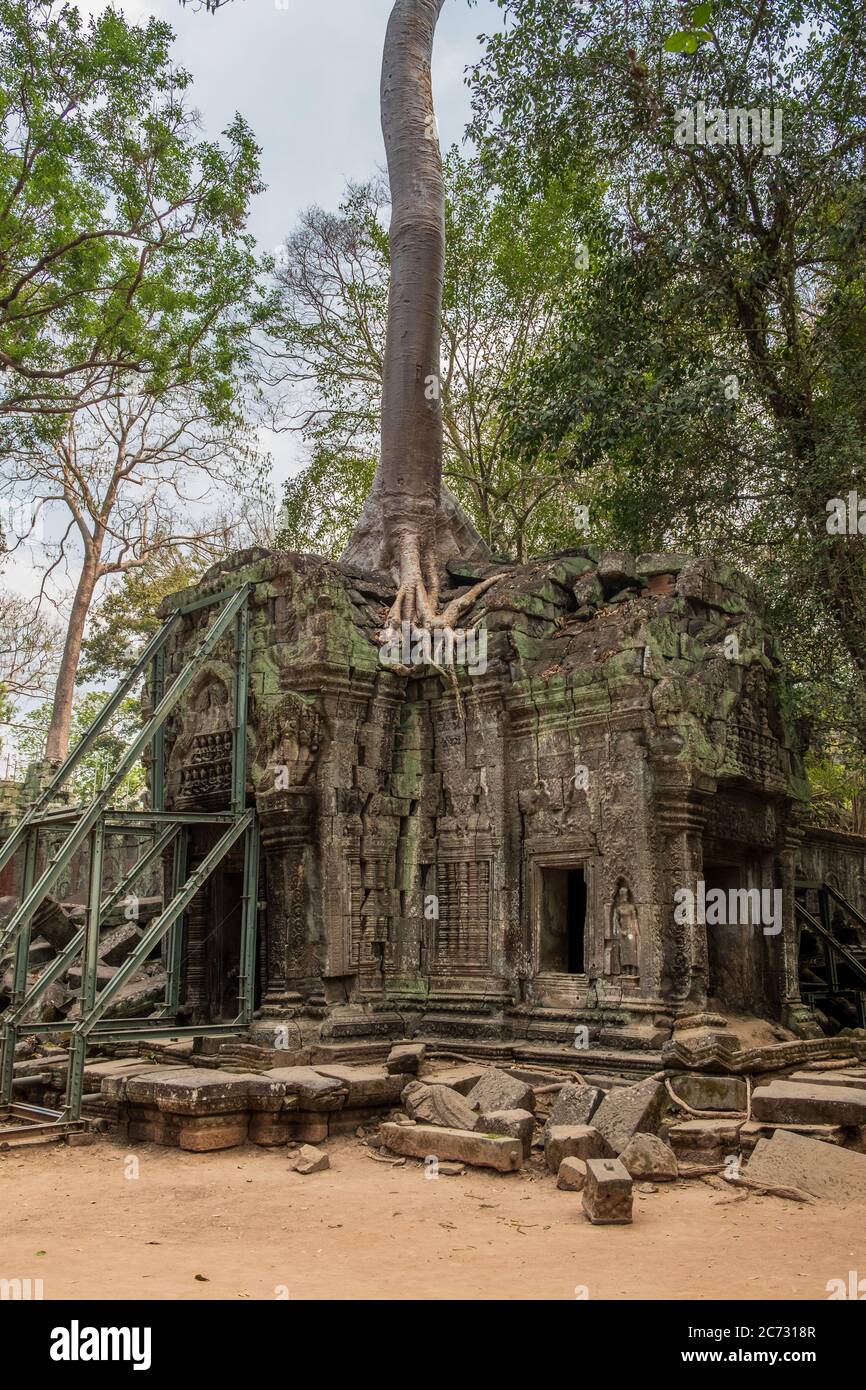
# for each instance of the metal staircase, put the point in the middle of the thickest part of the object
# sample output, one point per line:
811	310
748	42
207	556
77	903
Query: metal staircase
94	823
833	975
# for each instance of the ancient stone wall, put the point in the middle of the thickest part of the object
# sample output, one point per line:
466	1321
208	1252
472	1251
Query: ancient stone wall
497	849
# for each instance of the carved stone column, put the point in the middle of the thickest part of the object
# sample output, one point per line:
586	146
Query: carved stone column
681	817
795	1014
287	822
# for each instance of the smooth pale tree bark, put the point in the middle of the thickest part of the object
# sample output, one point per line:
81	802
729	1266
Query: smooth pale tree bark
410	524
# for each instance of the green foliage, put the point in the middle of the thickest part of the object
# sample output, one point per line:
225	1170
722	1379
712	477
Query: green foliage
707	377
323	502
122	241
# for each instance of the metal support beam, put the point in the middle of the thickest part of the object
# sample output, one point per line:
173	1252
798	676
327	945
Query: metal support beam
241	683
249	924
174	945
157	766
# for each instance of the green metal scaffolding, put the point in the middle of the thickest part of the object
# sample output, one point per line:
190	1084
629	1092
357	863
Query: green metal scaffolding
166	829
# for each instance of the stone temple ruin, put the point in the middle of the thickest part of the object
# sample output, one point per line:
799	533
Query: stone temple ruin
559	894
495	852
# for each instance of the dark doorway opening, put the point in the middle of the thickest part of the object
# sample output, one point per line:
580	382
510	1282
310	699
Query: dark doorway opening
562	945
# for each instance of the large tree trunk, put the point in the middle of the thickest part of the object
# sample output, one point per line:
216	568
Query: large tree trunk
57	744
410	524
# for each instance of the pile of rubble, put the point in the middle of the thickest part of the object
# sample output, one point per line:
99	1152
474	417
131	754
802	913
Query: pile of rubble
55	924
802	1137
800	1134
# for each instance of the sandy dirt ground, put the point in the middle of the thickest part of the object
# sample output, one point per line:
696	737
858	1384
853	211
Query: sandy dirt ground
240	1224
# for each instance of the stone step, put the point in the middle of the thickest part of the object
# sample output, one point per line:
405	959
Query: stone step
704	1141
751	1132
812	1102
855	1080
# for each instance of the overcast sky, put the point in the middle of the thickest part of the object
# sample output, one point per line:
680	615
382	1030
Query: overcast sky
305	74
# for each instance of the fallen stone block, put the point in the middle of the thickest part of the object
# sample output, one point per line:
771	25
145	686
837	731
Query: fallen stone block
308	1159
647	1156
607	1193
704	1141
406	1058
120	942
855	1080
437	1105
703	1092
572	1175
752	1131
576	1104
822	1170
366	1086
517	1124
573	1141
496	1090
795	1102
457	1145
460	1079
630	1110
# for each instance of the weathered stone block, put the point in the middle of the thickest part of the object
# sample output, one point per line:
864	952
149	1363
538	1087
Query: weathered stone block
647	1156
573	1141
478	1150
572	1175
704	1141
207	1133
366	1085
308	1159
312	1090
518	1124
576	1104
199	1092
496	1090
406	1058
459	1077
269	1129
794	1102
703	1092
607	1193
629	1110
437	1105
791	1160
